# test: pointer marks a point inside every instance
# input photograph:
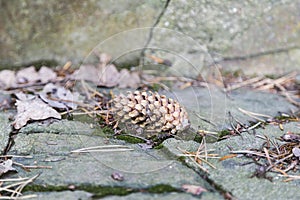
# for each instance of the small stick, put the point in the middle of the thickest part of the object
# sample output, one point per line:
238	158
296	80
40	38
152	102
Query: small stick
105	148
268	156
32	166
254	115
242	84
15	156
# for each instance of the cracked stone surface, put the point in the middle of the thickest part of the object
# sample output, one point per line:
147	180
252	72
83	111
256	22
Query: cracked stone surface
239	35
255	38
213	104
69	31
4	130
66	195
233	176
171	196
141	169
51	145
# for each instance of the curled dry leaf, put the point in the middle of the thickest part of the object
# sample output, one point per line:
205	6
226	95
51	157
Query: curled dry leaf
30	75
296	151
194	189
33	109
27	75
87	73
59	97
129	80
6	166
46	74
107	75
7	78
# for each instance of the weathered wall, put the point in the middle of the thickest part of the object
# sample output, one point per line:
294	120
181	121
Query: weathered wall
259	36
67	30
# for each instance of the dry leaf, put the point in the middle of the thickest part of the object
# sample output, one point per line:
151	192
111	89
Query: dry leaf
109	76
7	78
194	189
104	58
33	109
24	97
6	166
59	97
87	73
27	75
46	74
296	152
129	80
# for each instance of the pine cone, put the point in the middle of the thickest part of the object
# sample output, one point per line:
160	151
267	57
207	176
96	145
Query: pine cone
150	111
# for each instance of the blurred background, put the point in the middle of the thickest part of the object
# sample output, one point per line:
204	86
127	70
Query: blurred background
257	37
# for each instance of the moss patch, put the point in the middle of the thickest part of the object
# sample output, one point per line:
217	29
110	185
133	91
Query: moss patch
102	191
162	189
130	139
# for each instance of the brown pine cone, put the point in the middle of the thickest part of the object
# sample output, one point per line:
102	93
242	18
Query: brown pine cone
150	111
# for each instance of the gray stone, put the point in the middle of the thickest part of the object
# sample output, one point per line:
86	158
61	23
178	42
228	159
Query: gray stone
70	30
140	168
167	196
66	195
5	129
58	127
256	38
213	105
233	176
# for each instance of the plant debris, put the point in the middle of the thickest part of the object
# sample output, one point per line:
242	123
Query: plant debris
117	176
33	109
200	157
11	188
286	85
6	166
280	155
194	189
59	97
106	74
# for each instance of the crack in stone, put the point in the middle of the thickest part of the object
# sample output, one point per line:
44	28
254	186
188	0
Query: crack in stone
259	54
142	56
103	191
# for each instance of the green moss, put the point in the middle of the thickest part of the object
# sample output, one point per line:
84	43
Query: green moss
160	146
156	87
130	139
223	133
107	130
271	76
45	188
162	189
198	138
100	192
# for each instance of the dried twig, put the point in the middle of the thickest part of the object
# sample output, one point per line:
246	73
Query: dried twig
15	189
255	115
105	148
243	84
